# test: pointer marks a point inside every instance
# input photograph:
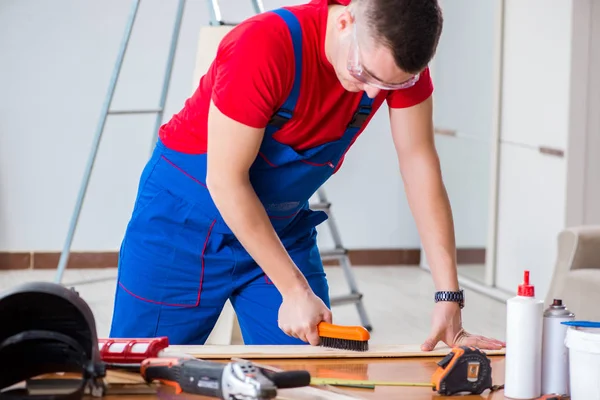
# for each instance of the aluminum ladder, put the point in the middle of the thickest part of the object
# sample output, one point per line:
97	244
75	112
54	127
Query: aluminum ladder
106	111
340	253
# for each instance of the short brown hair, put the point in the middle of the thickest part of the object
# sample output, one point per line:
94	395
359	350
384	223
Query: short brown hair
410	28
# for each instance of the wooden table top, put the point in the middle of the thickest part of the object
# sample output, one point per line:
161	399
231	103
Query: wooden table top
388	369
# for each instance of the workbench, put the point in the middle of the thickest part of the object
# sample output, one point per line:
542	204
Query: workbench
418	369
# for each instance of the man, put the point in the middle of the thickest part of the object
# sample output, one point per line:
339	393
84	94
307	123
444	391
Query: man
222	208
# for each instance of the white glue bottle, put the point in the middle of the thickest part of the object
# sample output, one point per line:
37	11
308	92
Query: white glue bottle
555	354
523	359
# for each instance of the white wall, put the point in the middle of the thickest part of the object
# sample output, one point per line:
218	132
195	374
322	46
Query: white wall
548	84
57	59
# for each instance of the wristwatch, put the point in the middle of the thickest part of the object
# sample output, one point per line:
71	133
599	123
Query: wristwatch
457	297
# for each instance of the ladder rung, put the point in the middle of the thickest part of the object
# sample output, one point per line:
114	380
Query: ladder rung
148	111
333	254
346	299
320	206
223	23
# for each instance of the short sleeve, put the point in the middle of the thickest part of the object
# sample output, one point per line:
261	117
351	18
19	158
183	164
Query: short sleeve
254	70
414	95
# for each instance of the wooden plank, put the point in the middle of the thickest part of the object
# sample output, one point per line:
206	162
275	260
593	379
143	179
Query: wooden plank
324	392
307	351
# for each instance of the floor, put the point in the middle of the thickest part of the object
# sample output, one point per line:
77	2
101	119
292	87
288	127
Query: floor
473	271
402	318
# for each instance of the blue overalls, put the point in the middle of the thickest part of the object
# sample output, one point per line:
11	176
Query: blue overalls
179	262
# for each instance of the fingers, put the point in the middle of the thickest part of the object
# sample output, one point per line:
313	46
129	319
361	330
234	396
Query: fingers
480	342
312	332
434	338
295	333
300	319
308	334
328	316
302	336
429	344
432	341
494	342
312	336
290	330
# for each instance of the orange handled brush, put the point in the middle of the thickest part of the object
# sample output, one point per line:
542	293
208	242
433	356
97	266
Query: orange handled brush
344	337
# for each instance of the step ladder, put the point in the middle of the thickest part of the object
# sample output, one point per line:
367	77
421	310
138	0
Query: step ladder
338	253
106	111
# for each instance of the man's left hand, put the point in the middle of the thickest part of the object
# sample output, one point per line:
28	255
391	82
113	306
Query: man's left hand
447	327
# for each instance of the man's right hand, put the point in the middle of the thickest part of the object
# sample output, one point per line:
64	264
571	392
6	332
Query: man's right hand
300	313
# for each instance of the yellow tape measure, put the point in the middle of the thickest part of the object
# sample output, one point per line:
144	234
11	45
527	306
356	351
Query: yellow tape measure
363	383
463	370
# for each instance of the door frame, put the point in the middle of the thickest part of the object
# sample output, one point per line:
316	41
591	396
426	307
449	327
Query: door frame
490	252
580	123
592	198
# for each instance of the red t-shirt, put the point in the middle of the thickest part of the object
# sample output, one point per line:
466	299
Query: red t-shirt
252	76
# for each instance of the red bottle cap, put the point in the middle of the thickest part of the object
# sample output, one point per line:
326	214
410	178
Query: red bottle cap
525	289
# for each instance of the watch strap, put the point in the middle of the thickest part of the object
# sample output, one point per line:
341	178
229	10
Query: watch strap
456	297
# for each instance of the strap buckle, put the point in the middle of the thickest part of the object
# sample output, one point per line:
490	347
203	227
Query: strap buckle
360	116
280	118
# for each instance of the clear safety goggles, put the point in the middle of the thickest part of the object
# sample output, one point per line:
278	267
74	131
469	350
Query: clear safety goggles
357	71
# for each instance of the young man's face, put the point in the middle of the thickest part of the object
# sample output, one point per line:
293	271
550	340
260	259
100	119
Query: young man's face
364	63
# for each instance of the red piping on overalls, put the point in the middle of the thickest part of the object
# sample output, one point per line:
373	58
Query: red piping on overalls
328	164
183	171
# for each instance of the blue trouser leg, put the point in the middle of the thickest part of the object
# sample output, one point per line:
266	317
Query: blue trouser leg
174	271
256	300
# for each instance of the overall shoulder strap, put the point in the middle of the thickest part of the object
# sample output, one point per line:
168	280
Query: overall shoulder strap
287	109
365	106
362	113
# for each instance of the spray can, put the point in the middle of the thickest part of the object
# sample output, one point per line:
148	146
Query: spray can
523	359
555	354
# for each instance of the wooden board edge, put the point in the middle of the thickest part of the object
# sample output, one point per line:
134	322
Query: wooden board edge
251	352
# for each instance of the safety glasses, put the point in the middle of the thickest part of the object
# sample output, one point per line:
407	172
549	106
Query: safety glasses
357	70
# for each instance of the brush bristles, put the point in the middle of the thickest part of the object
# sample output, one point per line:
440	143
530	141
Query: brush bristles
345	344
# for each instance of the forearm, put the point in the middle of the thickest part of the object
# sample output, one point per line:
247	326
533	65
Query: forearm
430	206
246	217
